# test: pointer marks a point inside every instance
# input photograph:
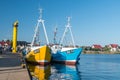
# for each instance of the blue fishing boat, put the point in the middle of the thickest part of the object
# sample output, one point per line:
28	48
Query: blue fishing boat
68	55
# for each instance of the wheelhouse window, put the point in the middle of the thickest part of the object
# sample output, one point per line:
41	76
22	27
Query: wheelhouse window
36	51
70	51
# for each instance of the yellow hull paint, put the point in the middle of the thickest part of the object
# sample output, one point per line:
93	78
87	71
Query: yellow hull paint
40	72
41	55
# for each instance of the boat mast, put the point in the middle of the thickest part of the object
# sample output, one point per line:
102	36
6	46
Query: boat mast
55	33
68	27
40	20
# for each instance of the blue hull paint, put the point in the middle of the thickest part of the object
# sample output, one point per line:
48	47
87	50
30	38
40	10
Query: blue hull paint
65	72
67	56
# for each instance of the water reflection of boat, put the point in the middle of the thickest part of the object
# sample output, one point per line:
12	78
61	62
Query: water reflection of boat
39	72
65	72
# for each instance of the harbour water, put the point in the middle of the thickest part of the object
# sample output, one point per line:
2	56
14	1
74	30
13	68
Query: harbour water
90	67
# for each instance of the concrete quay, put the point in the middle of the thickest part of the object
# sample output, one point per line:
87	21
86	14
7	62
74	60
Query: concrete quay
10	67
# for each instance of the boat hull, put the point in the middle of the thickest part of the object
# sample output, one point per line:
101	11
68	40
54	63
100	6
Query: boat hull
40	55
69	57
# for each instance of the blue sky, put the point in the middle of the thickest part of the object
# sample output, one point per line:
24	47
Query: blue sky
93	21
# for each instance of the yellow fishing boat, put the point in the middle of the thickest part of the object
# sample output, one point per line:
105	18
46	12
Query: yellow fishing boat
39	55
39	72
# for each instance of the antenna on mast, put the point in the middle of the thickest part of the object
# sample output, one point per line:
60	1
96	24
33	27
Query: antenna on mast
55	33
69	21
41	13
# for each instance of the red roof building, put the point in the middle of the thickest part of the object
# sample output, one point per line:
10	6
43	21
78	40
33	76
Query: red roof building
97	46
3	43
114	45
